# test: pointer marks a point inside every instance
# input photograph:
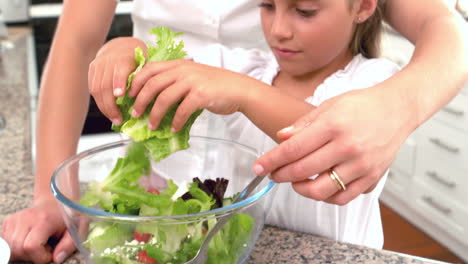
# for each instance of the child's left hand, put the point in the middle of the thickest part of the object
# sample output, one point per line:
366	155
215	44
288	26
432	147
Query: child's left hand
197	86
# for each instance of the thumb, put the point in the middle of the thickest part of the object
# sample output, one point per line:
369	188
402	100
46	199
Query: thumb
297	126
64	248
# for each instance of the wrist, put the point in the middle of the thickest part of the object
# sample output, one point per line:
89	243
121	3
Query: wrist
404	94
251	95
122	44
42	190
422	96
40	197
43	193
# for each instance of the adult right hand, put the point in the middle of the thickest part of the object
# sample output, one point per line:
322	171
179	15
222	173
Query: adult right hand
108	73
27	232
356	134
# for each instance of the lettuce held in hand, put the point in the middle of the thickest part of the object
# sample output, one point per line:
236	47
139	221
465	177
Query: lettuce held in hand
161	142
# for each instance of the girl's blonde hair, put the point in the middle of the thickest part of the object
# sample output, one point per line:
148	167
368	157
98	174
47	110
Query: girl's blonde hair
366	38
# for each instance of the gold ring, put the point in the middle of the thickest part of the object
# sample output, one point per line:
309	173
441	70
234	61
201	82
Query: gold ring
334	176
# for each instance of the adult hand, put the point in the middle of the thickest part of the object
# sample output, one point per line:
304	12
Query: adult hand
356	134
108	73
27	232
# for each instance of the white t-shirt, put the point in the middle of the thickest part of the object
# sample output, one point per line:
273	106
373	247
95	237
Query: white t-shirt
357	222
232	23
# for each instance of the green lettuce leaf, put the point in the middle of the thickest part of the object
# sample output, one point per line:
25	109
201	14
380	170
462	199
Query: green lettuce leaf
160	142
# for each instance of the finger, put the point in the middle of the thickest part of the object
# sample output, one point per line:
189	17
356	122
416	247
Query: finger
110	108
318	161
165	100
35	244
64	248
286	133
324	187
95	84
6	226
151	69
91	72
292	150
121	72
16	241
8	233
371	188
186	108
353	190
149	92
315	189
298	126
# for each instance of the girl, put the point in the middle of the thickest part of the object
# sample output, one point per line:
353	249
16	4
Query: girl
322	48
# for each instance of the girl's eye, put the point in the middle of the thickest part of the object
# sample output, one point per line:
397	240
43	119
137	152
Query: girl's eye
306	13
266	5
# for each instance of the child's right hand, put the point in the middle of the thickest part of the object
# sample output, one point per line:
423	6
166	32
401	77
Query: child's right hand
108	73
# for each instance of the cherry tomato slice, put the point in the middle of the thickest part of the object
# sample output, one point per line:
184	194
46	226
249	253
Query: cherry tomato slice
141	237
153	191
143	257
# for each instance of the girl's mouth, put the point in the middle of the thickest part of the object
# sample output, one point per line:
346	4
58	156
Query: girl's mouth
283	52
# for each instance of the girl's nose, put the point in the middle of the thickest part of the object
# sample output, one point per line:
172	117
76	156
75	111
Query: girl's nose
281	28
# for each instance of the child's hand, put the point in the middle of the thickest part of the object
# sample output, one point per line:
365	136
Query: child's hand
108	73
198	86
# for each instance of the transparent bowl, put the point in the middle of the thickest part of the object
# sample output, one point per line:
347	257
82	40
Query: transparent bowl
206	158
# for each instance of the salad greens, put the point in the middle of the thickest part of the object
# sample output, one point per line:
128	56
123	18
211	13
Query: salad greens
120	192
161	142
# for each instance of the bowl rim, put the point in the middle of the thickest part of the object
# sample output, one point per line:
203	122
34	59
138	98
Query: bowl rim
137	218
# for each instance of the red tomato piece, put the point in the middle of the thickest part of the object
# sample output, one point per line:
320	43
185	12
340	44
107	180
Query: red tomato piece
153	191
141	237
143	257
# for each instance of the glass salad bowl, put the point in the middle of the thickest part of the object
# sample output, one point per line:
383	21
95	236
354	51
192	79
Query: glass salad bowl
121	207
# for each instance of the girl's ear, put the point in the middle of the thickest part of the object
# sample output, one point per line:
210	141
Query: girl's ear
365	10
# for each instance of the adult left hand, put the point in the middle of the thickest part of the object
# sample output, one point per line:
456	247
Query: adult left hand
356	134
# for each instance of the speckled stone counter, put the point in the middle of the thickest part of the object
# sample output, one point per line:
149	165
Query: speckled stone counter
16	182
274	245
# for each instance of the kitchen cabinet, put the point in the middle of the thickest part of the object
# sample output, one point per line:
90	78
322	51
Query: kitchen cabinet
428	179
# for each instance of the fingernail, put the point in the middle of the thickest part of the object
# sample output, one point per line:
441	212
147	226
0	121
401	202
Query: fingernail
118	92
150	126
134	113
286	130
258	169
61	257
173	130
116	121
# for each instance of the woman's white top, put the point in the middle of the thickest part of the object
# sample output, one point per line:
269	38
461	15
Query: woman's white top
357	222
232	23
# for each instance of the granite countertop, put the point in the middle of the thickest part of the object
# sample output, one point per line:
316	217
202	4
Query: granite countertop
274	245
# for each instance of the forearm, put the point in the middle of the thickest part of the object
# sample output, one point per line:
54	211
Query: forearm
439	65
64	97
272	110
441	56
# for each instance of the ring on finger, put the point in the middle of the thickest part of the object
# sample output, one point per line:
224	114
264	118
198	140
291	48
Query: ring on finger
334	176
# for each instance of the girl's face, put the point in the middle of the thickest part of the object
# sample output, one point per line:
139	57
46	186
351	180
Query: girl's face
308	35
